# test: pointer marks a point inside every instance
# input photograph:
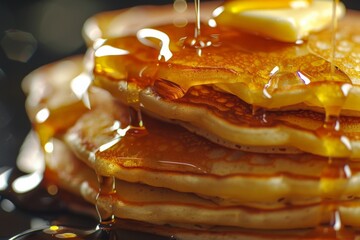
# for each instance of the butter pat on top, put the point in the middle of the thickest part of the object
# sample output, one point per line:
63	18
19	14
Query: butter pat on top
287	23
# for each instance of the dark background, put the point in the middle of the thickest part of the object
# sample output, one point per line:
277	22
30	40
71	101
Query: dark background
33	33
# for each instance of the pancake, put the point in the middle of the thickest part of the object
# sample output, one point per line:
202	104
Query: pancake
279	180
226	120
203	144
171	157
145	203
282	110
240	61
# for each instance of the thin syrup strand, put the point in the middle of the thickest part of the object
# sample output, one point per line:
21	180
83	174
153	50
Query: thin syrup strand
197	16
333	35
107	189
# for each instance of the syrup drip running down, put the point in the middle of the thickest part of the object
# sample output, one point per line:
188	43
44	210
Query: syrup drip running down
107	188
107	184
105	229
49	123
332	123
48	127
332	127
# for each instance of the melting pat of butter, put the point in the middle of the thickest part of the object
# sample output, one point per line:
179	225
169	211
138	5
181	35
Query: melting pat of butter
283	24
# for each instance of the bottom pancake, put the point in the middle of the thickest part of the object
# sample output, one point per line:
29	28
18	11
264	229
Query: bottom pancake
162	206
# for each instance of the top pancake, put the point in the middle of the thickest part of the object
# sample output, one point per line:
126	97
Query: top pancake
260	71
157	69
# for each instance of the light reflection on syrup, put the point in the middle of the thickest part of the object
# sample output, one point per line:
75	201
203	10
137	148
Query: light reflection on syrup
331	124
331	89
145	33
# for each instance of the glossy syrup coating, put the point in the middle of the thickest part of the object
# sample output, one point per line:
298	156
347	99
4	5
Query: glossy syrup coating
142	65
260	71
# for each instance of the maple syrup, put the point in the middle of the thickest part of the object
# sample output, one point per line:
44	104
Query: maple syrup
332	104
197	18
174	91
105	228
199	41
48	127
331	124
107	188
49	124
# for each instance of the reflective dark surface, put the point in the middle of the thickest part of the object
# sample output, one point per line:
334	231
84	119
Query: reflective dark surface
33	33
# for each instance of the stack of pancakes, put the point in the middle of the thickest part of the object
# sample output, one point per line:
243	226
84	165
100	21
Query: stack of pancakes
248	137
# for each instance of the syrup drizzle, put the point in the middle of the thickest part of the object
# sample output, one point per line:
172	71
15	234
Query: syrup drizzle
332	96
107	189
47	128
49	124
198	41
197	18
331	124
332	128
